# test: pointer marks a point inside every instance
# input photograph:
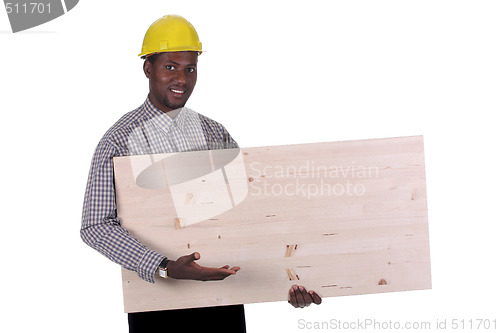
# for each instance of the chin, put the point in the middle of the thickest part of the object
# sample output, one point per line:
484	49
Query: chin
174	106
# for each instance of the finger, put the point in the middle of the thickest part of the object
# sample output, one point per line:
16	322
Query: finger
226	271
195	256
214	278
216	273
306	296
298	295
293	298
315	297
232	269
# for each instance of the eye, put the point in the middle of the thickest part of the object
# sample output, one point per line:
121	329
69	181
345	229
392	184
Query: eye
170	67
191	70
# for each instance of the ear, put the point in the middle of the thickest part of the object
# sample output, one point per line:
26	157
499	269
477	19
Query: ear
147	67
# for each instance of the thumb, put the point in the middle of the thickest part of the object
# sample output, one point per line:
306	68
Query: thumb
188	258
194	256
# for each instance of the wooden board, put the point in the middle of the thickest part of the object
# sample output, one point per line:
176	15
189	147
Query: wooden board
341	218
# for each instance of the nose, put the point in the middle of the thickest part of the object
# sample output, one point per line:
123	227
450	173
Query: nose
180	77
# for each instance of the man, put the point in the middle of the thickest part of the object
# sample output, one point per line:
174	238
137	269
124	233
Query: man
162	124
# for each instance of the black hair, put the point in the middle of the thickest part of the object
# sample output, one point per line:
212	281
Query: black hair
151	58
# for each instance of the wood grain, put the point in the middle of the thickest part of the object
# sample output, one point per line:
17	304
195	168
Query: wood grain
341	218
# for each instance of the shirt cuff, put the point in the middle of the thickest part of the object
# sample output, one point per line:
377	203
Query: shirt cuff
148	265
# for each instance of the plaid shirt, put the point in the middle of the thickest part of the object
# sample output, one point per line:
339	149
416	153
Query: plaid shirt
146	130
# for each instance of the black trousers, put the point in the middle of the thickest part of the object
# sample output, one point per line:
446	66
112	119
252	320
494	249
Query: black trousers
220	319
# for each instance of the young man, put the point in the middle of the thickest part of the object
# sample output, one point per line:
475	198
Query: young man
162	124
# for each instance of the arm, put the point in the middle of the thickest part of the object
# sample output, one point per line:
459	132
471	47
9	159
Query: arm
102	231
101	227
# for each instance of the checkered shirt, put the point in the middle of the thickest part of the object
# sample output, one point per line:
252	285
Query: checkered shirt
146	130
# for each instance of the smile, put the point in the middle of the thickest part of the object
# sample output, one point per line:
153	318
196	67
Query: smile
177	91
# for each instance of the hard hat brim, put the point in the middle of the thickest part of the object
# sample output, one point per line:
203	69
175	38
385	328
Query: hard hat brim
147	54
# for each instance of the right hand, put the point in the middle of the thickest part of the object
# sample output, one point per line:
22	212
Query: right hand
185	268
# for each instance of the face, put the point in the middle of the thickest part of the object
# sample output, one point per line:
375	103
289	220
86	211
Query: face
172	78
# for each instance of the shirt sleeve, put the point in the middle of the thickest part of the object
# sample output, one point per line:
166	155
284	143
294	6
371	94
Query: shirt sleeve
101	227
216	135
229	142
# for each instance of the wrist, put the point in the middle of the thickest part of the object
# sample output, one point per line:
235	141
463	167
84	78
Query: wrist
163	269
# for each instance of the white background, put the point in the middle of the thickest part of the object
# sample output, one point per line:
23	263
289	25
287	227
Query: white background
275	72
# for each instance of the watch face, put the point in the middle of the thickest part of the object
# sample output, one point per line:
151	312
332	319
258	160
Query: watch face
162	273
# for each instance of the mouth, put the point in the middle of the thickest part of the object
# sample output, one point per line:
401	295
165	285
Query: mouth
178	92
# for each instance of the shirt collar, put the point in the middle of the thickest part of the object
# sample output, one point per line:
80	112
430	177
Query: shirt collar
161	119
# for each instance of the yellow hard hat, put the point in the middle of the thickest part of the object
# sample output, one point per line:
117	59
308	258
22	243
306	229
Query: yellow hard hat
171	33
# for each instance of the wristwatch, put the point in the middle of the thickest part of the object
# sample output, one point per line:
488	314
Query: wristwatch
162	269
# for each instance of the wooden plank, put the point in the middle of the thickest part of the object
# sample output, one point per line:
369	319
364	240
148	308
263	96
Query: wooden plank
341	218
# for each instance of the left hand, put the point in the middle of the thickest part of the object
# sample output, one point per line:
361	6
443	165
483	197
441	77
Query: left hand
299	297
